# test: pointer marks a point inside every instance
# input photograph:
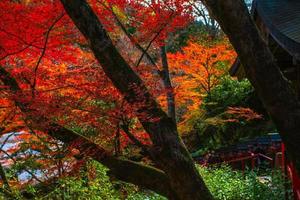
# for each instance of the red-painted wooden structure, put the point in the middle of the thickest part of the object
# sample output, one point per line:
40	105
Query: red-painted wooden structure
249	158
291	173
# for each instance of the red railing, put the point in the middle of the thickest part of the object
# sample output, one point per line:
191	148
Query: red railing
243	158
286	165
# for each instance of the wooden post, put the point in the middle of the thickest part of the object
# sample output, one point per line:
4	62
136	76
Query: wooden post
243	166
284	164
252	162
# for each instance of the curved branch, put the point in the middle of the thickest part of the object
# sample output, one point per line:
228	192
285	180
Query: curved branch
136	173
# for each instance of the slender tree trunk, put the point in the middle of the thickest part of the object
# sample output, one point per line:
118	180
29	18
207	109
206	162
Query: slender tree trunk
168	84
168	150
278	97
164	74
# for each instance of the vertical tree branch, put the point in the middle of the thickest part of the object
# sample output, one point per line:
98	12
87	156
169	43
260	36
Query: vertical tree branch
47	34
168	84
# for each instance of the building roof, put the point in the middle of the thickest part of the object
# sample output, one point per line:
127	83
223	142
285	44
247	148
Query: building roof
282	18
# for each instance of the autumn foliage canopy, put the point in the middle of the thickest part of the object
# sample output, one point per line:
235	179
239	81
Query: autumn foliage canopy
50	75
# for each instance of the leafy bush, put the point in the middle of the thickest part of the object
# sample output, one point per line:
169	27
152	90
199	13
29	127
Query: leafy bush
229	92
223	182
230	112
226	184
97	187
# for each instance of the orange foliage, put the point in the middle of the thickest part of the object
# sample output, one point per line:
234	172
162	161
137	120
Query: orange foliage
197	69
242	113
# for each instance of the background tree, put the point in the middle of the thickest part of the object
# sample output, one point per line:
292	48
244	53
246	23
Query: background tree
195	72
233	112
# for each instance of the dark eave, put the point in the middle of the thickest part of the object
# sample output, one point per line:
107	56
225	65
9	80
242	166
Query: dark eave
282	18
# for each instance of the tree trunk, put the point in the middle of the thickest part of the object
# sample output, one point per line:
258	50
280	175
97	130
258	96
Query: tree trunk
136	173
262	70
168	84
168	150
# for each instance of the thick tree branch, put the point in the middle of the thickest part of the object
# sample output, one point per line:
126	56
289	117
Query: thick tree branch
164	74
136	173
170	153
123	28
125	128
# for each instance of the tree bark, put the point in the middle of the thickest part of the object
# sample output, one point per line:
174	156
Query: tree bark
164	74
168	84
136	173
168	150
262	70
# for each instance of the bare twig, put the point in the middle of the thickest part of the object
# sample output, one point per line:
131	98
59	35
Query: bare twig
47	34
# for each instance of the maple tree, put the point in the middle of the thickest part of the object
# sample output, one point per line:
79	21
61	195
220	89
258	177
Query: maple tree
71	83
196	71
232	112
51	80
170	153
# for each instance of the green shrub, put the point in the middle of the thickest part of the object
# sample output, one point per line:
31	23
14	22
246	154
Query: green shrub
223	182
226	184
97	188
218	127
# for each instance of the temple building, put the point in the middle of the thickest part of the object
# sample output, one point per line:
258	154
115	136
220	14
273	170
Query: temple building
279	24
